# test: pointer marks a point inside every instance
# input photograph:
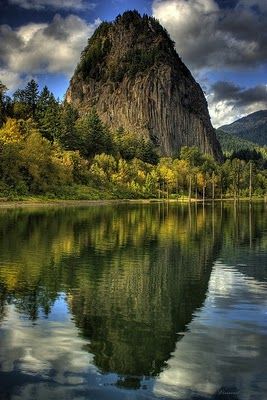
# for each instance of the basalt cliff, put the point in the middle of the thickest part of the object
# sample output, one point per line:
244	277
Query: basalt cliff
131	74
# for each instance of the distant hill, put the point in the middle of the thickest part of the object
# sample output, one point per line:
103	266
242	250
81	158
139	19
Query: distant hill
253	128
233	144
230	143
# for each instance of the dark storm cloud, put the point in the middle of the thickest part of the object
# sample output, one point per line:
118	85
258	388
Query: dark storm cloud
208	36
8	41
238	96
56	4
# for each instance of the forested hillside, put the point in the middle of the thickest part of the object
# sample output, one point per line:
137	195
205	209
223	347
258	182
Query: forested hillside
231	143
253	127
47	149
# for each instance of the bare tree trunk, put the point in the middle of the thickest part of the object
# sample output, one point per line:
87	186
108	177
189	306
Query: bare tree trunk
213	186
250	226
238	185
190	189
250	181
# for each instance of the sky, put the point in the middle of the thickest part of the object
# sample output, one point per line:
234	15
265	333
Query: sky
223	43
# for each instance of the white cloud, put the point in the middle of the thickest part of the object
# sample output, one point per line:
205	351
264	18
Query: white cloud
199	366
207	36
12	80
56	4
223	113
42	48
228	102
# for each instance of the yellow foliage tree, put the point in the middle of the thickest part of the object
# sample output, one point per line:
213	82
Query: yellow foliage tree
10	132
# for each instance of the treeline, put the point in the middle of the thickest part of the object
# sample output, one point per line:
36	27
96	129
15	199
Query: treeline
48	149
233	144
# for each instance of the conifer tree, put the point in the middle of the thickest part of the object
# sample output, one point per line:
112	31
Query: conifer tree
31	94
95	136
48	115
146	152
69	138
3	89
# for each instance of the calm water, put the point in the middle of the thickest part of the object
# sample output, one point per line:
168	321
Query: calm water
134	302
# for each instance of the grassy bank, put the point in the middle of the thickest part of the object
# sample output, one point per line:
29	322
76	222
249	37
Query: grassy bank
86	195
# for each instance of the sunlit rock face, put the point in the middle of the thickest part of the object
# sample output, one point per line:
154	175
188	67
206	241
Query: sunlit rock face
131	73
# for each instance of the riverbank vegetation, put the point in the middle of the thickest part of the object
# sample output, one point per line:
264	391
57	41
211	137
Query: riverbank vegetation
47	149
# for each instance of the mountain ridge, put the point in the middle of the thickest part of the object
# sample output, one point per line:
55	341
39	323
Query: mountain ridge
252	127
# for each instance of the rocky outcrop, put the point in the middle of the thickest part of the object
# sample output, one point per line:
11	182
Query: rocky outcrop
131	73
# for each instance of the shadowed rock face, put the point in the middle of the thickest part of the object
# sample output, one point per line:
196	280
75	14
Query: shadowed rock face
131	73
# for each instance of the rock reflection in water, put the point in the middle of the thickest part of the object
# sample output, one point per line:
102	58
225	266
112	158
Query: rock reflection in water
123	291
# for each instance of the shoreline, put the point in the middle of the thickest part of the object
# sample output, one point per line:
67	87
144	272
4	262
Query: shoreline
87	203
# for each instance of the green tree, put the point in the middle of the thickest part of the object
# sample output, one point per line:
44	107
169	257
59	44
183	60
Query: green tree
20	107
236	170
208	169
192	155
48	115
194	159
10	160
69	138
95	136
31	94
3	90
146	152
25	101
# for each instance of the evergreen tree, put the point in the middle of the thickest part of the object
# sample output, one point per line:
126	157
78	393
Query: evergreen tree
25	101
48	115
43	102
192	155
20	107
69	138
146	152
31	94
95	136
3	89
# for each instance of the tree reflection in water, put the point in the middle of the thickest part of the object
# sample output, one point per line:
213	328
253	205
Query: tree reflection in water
133	276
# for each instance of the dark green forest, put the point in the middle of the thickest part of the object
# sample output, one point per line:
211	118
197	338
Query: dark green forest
231	143
48	150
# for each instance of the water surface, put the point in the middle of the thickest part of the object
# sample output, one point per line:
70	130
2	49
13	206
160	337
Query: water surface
134	302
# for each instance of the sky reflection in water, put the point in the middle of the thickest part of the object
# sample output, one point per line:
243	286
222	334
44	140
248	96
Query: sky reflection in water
133	302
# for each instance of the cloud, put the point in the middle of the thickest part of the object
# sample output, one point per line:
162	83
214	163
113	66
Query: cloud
228	101
12	80
193	367
260	5
238	95
43	48
56	4
208	36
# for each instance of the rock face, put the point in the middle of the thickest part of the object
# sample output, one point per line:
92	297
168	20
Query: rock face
131	73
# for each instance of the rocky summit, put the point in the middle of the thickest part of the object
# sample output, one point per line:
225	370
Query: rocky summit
132	75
